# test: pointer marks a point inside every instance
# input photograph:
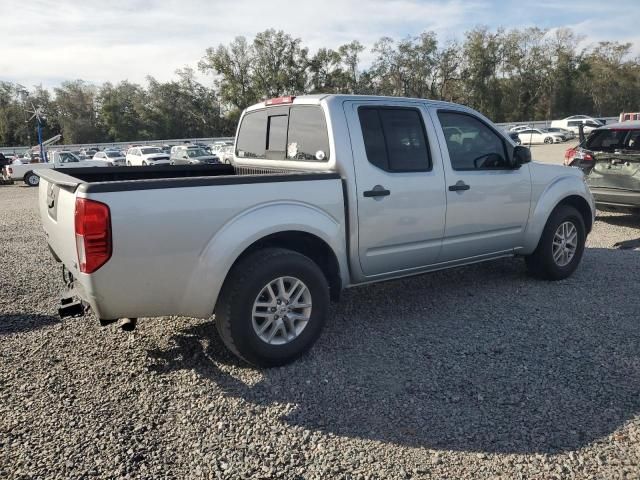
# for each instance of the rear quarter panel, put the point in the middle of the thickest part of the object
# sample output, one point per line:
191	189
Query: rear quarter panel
172	248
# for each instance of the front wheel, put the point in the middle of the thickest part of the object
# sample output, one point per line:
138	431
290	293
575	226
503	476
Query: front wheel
561	245
31	179
548	140
272	307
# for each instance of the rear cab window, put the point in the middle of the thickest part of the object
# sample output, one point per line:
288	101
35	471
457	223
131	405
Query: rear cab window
294	133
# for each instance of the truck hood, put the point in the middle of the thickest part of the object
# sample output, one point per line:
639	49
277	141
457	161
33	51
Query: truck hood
550	171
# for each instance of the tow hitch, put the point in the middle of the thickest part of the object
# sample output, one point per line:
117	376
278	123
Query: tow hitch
69	307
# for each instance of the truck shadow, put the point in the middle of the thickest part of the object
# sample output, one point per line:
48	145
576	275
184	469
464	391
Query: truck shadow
621	220
478	359
24	322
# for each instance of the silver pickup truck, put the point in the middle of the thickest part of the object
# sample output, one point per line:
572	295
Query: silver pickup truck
325	192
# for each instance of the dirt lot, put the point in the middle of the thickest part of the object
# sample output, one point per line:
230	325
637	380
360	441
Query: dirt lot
478	372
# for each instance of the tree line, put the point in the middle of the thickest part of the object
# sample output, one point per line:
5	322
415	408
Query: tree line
509	75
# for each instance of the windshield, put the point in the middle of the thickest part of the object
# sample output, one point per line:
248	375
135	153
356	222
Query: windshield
148	150
196	152
113	154
66	157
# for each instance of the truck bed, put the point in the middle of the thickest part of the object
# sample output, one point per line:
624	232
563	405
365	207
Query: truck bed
118	179
181	227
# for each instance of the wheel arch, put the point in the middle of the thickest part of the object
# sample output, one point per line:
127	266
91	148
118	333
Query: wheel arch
26	175
308	230
566	190
308	245
580	204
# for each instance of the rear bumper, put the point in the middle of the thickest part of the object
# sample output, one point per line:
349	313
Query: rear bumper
616	199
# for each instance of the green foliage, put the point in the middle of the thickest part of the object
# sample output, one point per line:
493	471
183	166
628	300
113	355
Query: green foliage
520	74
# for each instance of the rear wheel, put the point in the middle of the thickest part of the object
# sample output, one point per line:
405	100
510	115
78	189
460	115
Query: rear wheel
561	245
31	179
128	164
272	307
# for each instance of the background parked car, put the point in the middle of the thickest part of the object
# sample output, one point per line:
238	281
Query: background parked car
515	137
610	159
192	155
520	128
215	147
143	156
114	156
226	154
539	135
568	134
573	123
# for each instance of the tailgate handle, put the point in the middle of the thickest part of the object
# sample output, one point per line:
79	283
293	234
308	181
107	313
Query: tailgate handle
377	191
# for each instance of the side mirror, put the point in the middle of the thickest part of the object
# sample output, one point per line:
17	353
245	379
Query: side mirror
521	155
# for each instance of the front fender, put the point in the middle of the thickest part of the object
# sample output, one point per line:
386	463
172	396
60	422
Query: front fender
246	228
555	192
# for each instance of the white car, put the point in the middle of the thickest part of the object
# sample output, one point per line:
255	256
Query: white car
568	134
532	136
114	156
573	123
226	154
217	146
143	156
57	159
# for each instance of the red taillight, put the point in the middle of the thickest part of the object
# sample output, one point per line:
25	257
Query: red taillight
93	234
280	100
568	155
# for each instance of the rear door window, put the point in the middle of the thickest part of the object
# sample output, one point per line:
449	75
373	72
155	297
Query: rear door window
395	138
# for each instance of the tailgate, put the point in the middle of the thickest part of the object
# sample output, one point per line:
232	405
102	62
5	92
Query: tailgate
56	202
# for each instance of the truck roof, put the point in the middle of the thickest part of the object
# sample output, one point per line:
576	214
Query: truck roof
315	99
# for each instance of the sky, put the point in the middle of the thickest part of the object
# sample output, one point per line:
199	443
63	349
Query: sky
46	42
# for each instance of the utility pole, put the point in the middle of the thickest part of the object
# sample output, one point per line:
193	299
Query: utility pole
40	117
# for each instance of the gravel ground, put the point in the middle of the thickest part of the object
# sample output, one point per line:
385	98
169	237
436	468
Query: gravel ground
478	372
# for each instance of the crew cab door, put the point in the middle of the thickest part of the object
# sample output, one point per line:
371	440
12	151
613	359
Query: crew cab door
487	199
399	186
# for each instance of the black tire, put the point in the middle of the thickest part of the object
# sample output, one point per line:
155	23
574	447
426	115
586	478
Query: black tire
31	179
144	164
548	140
128	164
541	263
234	309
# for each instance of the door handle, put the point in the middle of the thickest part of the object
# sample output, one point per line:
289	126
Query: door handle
377	191
459	186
